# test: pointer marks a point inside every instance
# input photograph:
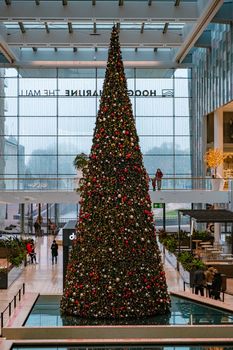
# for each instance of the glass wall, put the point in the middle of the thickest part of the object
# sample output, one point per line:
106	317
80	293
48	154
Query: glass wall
48	117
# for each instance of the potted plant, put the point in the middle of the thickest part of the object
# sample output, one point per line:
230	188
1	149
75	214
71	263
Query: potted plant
80	163
13	254
213	158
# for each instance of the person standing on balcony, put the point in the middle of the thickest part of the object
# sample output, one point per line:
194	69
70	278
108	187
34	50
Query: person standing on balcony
158	177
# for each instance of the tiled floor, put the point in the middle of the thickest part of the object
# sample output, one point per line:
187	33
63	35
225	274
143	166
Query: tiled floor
45	278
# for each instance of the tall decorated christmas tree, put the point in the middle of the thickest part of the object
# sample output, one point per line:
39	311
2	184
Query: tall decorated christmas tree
115	268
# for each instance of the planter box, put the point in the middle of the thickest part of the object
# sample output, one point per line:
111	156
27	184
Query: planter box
187	276
7	277
171	258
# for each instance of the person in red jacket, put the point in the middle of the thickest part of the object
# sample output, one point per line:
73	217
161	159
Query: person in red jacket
158	177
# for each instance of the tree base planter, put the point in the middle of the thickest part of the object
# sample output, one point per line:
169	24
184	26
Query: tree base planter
188	276
172	259
8	276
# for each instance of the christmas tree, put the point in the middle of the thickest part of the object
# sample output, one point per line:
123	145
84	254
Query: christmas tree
115	268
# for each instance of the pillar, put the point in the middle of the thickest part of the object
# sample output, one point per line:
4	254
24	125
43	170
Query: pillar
22	217
218	134
218	143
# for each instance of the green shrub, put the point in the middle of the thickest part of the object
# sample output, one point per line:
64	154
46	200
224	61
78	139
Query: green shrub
188	262
16	250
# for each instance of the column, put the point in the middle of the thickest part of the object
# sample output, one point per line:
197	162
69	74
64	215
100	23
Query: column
218	143
22	217
218	134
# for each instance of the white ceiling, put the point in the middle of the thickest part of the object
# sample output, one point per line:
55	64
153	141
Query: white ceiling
73	33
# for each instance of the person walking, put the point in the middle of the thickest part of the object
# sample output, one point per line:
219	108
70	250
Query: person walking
32	253
54	251
158	177
37	227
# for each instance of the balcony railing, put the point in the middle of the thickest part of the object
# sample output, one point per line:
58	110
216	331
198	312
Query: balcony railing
71	183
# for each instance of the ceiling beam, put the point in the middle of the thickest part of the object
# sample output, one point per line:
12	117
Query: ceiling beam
94	28
87	58
46	27
142	27
70	28
165	28
207	12
60	38
21	26
52	11
7	51
177	3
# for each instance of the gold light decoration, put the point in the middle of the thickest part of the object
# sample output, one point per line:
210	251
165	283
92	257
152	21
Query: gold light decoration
213	158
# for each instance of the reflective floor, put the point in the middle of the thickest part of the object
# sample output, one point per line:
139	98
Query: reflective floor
46	312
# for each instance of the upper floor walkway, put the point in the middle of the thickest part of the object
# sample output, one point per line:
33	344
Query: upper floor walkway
63	190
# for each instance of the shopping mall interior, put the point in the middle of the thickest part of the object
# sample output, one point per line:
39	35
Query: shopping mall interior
61	80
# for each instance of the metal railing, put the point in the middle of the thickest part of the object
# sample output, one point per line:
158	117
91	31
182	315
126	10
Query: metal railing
12	304
71	183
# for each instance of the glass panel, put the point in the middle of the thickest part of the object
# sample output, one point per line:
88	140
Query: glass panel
76	87
76	73
154	73
182	87
77	106
38	145
182	107
65	165
38	165
10	145
37	87
38	73
11	161
76	125
164	162
183	165
74	145
38	126
9	126
182	145
33	106
154	106
182	126
11	72
10	105
156	145
154	126
158	87
10	86
182	73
